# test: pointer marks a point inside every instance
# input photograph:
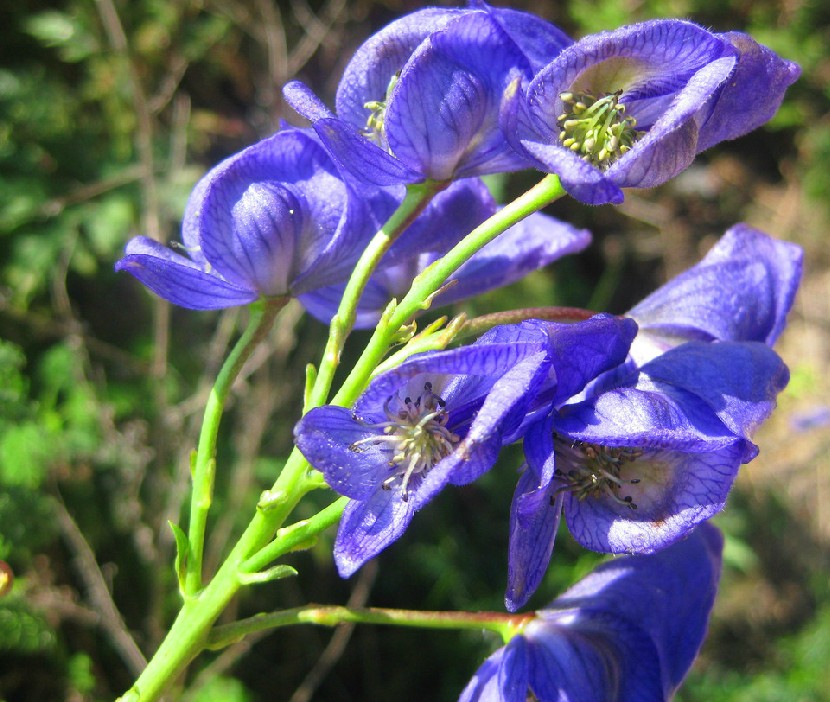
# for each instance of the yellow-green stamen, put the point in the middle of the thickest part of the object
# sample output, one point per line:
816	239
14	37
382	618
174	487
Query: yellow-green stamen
377	114
596	128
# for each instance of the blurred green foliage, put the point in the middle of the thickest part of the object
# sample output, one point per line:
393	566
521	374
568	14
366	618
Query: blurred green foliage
109	112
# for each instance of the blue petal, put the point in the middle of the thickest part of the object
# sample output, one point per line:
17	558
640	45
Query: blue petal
534	520
383	55
302	99
582	351
179	280
368	527
327	437
677	492
442	118
533	243
503	677
648	416
538	40
752	96
264	216
741	291
738	381
669	595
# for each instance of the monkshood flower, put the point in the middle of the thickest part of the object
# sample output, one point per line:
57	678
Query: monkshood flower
632	107
441	417
420	99
531	244
275	219
742	290
640	464
628	632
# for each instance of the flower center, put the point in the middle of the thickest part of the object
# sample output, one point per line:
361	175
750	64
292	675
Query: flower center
417	434
377	114
589	470
596	128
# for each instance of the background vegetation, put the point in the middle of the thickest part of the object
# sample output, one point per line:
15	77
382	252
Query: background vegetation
109	112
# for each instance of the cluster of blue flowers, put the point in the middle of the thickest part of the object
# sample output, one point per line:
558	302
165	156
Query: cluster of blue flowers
633	427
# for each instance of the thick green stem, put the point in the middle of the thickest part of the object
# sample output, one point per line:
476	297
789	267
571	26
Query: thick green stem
506	625
429	281
262	316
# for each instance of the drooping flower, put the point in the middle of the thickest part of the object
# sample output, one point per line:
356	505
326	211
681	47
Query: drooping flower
640	463
533	243
441	418
628	632
632	107
742	290
275	219
420	99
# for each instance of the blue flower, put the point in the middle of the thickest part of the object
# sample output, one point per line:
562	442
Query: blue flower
742	290
273	220
531	244
640	463
632	107
420	99
628	632
441	418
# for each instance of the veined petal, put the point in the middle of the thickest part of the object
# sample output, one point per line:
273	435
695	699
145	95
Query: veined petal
534	519
669	595
677	491
364	161
442	118
368	527
738	381
645	417
742	290
342	448
179	280
753	96
527	246
381	57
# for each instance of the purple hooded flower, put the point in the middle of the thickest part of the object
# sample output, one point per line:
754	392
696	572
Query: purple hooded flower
441	418
640	464
420	99
632	107
628	632
531	244
273	220
742	290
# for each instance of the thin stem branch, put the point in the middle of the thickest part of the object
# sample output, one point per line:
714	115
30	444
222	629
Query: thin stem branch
417	198
506	625
262	317
425	285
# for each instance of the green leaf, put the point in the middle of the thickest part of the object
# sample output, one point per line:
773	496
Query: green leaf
182	554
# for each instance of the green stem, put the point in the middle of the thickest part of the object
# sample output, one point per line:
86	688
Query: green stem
425	285
296	535
506	625
262	314
417	198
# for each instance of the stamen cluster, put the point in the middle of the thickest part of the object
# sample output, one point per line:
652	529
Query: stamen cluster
418	435
592	469
596	128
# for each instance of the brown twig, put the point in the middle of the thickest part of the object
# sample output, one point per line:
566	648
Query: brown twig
98	593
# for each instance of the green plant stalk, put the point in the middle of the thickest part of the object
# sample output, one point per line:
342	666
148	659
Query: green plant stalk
425	285
262	314
201	608
506	625
417	198
190	631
